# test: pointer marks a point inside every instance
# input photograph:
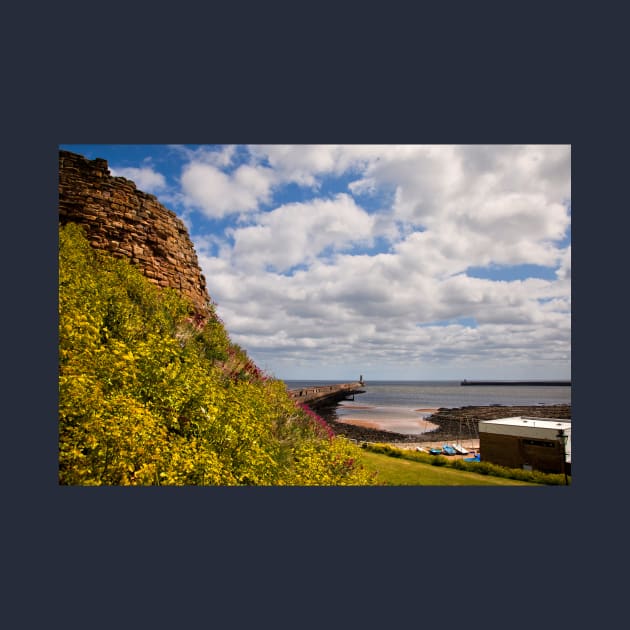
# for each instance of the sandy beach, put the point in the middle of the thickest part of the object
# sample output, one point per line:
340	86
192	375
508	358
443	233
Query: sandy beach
452	425
419	426
385	418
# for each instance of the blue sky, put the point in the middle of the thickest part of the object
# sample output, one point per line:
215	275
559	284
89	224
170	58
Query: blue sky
391	261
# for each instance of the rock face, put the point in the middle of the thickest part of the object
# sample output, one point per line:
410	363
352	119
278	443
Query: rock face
127	222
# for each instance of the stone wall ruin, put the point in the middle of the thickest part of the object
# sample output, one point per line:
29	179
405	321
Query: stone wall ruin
127	222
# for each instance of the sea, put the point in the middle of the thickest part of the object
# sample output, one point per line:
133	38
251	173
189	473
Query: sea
404	406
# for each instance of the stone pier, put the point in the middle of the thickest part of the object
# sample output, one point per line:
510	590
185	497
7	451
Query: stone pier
318	395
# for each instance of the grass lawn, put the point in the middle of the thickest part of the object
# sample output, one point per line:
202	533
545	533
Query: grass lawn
393	471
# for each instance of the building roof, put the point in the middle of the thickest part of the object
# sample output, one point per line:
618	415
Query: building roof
528	421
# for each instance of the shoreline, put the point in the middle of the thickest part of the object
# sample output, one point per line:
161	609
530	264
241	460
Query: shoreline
424	426
453	423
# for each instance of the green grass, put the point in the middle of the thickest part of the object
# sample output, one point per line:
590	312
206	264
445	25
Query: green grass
394	471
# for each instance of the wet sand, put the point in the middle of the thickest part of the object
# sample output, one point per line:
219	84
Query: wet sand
362	423
419	426
400	420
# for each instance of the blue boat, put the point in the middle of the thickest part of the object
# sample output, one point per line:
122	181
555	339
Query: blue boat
449	450
435	451
476	458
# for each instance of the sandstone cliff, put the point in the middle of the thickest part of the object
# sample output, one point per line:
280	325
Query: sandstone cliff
127	222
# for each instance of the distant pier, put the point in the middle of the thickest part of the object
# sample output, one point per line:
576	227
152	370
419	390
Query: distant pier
519	383
319	395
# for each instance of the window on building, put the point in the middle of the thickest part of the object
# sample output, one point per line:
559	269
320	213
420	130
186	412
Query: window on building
546	443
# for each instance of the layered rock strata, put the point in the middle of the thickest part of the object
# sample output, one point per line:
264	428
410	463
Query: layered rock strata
127	222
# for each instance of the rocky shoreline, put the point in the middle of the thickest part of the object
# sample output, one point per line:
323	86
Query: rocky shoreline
452	423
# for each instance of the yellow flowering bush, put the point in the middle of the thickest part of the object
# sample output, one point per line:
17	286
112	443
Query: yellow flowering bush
148	396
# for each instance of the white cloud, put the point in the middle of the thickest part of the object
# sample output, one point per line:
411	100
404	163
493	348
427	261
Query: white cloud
369	310
304	163
297	233
145	178
217	194
564	270
409	306
220	156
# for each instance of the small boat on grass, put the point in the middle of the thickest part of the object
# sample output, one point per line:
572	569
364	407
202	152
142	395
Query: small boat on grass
435	451
474	458
460	449
449	450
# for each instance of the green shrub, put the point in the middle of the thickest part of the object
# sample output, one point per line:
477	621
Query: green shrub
438	460
149	396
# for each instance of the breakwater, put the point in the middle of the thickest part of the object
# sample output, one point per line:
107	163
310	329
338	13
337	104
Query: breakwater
322	395
518	383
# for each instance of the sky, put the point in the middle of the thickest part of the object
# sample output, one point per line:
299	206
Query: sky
402	262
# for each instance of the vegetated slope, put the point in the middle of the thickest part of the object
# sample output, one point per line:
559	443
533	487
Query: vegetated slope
148	395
